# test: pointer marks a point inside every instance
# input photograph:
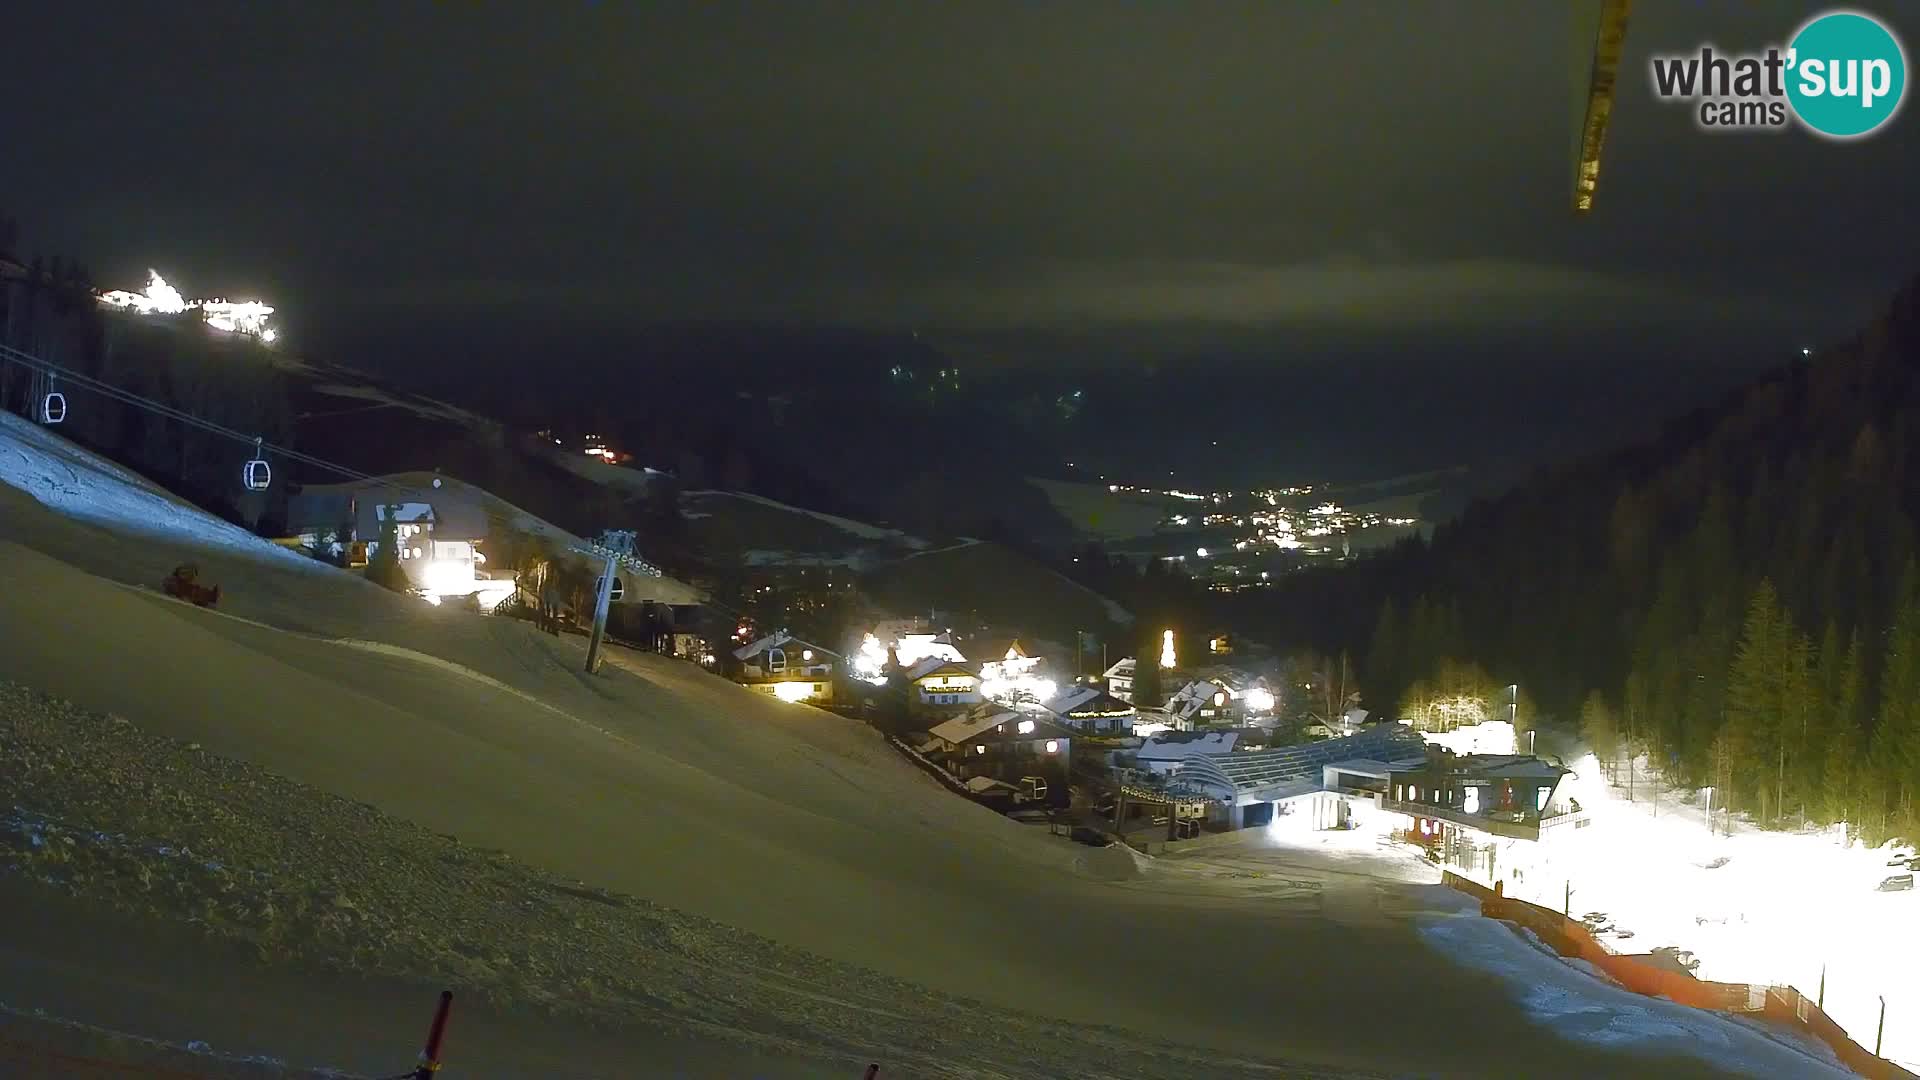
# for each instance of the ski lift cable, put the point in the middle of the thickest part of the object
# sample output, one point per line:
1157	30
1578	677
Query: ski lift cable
140	401
129	397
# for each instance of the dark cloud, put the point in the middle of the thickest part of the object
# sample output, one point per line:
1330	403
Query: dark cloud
1033	174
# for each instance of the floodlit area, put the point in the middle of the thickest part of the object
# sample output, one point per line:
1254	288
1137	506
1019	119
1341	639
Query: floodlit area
1756	907
159	298
1360	875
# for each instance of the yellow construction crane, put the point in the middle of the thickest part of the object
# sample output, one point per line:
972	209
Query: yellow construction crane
1602	24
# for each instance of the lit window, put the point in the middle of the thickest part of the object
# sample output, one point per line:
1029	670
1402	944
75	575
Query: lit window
416	553
1473	800
1540	800
1026	727
979	749
1053	747
806	654
403	553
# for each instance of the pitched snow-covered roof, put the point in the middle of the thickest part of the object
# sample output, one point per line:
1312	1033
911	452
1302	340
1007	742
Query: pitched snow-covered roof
980	785
964	729
1122	668
755	648
934	665
1286	770
929	646
1193	697
998	648
1511	767
776	640
1086	699
1180	745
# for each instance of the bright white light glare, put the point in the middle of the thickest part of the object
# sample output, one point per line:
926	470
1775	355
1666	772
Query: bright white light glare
870	662
160	298
1475	735
1011	689
1167	659
793	691
448	576
1053	747
1760	906
1202	552
244	317
1260	699
1025	727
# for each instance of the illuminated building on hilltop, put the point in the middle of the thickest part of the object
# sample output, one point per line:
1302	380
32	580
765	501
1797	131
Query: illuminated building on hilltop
232	316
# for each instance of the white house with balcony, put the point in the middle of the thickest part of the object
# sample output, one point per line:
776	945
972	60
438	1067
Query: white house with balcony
982	741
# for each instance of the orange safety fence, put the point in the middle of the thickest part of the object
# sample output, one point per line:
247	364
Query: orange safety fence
1783	1004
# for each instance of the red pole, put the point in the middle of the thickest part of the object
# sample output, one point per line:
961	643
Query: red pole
430	1057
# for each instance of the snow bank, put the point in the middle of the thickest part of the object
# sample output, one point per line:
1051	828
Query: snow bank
80	485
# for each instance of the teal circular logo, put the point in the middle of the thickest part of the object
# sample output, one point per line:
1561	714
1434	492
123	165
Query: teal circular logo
1846	74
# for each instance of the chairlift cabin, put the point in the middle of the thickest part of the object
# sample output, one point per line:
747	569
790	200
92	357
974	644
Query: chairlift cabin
256	474
53	408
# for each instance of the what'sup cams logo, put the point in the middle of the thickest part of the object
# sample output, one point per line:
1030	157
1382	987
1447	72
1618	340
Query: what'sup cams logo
1842	75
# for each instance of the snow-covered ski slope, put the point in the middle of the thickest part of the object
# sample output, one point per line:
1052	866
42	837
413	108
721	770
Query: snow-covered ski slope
659	780
36	460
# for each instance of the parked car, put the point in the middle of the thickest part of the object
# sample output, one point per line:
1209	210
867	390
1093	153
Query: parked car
1897	883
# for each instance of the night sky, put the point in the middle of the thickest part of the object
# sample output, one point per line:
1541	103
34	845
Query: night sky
1372	196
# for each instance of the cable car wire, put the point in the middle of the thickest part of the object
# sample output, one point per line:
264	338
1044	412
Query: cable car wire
140	401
